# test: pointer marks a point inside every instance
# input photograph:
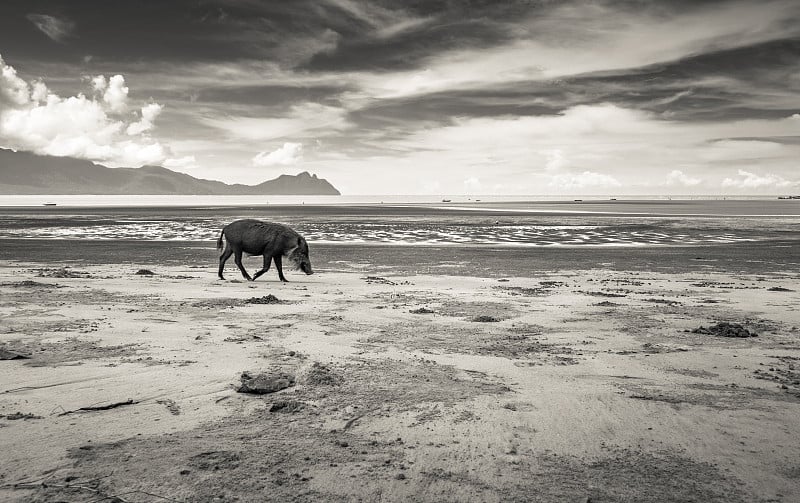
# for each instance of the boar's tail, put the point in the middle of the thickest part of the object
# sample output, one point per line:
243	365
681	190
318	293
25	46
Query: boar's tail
219	240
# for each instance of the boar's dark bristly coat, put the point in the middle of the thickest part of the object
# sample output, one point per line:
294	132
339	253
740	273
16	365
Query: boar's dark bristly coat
273	241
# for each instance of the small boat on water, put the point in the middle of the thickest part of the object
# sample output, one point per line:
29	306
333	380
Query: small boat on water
446	200
48	204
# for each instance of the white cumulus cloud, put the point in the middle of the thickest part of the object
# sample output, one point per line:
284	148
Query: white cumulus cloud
290	153
32	118
99	83
678	177
13	90
587	179
149	114
116	94
752	181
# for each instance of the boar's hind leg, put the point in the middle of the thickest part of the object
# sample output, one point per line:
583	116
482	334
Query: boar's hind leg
237	257
267	260
279	267
222	258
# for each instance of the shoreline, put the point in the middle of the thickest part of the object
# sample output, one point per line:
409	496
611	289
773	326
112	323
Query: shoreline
761	207
484	261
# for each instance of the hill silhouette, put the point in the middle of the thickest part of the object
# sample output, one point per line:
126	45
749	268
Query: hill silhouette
28	173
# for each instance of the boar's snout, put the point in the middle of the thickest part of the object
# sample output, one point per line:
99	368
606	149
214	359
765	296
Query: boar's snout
299	255
302	262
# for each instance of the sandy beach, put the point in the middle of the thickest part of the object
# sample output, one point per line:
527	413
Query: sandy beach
120	376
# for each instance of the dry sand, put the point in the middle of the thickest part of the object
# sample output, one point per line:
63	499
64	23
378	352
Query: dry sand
570	386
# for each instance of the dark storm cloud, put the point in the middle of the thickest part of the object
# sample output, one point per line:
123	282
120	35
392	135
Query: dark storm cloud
161	31
337	35
704	88
753	82
407	50
783	140
440	108
278	96
422	29
757	81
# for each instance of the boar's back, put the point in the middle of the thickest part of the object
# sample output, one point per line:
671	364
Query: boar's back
255	237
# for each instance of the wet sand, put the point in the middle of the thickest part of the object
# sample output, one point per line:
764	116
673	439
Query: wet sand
489	376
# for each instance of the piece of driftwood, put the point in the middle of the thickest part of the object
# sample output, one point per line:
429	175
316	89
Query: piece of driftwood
349	423
12	355
100	407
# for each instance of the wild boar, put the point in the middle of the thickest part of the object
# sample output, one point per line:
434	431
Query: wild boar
273	241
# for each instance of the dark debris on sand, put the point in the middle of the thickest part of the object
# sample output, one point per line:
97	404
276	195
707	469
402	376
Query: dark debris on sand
6	354
320	374
30	284
421	310
215	460
287	406
603	294
266	382
21	415
384	281
144	272
725	329
544	288
63	272
266	299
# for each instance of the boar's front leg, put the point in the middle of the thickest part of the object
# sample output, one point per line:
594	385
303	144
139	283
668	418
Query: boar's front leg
279	267
237	257
267	260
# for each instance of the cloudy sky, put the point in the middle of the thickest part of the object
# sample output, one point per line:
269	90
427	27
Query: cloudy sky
418	96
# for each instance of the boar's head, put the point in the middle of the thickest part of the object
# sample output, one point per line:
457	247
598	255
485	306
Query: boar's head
299	255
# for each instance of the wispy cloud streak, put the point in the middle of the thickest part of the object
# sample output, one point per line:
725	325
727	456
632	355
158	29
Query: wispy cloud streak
59	30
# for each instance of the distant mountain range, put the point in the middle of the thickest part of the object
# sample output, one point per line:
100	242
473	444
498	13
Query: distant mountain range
27	173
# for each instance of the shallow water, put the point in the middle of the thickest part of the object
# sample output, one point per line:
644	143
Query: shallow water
520	224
